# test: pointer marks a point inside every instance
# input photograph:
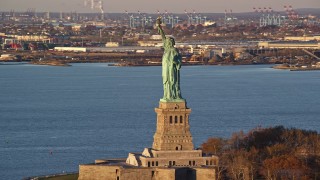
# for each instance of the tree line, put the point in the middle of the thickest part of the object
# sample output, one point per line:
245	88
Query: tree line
274	153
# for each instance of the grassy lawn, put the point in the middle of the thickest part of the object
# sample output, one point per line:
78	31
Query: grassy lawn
62	177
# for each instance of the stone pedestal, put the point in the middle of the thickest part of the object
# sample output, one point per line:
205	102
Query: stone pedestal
173	129
172	145
171	157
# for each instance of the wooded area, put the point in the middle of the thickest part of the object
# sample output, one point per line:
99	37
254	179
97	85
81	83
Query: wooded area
267	153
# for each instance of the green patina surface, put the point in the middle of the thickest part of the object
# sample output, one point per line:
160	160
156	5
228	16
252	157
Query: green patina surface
171	64
172	100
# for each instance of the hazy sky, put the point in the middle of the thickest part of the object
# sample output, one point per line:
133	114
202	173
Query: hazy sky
151	6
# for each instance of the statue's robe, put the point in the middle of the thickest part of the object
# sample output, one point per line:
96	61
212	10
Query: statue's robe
171	63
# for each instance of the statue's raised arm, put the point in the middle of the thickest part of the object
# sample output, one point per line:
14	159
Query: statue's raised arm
160	30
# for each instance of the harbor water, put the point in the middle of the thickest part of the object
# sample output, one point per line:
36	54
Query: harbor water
54	118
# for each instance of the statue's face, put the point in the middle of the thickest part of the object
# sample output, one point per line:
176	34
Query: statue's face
170	41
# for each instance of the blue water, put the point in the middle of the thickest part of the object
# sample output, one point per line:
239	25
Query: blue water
54	118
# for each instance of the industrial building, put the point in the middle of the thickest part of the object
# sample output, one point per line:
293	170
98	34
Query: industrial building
106	49
302	38
290	44
29	38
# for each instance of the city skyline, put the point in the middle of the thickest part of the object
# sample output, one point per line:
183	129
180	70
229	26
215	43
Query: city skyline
120	6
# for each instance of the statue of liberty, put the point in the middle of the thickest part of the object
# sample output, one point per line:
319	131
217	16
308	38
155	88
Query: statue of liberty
171	64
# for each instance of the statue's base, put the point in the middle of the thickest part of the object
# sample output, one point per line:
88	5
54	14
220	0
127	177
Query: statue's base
172	100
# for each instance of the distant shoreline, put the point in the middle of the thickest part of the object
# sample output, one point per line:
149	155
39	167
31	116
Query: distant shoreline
283	67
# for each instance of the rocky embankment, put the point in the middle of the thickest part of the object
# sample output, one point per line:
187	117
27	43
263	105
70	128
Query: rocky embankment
50	63
296	68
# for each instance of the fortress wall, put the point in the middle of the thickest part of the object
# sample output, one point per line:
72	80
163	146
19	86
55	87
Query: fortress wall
205	173
97	172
